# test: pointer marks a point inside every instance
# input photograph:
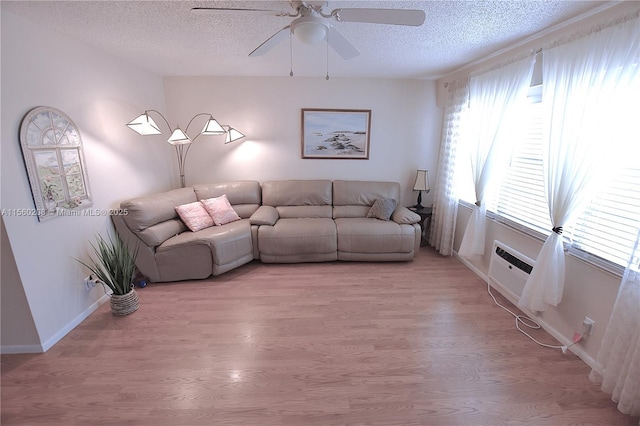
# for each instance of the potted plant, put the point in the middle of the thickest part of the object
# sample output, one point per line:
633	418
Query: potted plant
49	193
114	266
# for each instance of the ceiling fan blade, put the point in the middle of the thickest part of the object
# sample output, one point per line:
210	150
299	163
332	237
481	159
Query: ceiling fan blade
341	45
228	11
271	42
381	16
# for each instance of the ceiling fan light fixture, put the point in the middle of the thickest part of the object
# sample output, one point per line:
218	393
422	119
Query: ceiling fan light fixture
309	30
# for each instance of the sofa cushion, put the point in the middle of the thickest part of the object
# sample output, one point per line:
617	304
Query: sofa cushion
195	216
265	215
382	209
160	232
220	210
144	212
293	212
298	237
297	193
245	196
355	198
299	198
403	215
367	235
363	193
226	243
350	211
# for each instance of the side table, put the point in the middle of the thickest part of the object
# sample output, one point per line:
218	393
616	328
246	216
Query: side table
425	216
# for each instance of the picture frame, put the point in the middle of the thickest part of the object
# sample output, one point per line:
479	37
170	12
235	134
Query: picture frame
54	160
342	134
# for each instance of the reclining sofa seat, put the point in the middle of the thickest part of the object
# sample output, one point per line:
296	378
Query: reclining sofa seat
321	220
305	230
168	251
362	238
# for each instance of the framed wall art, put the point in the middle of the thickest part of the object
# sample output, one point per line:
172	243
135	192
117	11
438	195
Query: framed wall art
336	133
54	159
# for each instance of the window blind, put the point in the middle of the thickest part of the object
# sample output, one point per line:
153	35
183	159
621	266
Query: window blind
606	228
521	198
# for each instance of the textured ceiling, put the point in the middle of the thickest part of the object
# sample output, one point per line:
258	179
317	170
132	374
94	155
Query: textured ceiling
166	38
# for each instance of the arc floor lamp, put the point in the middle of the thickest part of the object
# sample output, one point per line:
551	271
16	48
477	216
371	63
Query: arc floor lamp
145	125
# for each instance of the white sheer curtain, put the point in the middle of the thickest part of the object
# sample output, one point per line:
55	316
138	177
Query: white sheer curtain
618	362
581	81
445	202
495	98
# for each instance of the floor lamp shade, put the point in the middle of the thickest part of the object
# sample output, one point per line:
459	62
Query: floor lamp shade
212	127
144	125
233	135
178	137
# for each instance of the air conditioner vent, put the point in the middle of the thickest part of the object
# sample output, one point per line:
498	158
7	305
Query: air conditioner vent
509	270
518	263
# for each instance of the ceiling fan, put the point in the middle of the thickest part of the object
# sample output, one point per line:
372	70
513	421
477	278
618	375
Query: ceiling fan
312	24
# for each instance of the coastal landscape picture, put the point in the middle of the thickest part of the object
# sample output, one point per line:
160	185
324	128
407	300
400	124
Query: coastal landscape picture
336	133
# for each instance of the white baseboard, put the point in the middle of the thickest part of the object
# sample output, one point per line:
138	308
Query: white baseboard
74	323
43	347
576	349
21	349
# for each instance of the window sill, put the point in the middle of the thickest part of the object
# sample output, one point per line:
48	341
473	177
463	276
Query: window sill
590	259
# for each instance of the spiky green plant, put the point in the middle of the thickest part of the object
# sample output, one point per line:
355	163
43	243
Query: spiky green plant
114	265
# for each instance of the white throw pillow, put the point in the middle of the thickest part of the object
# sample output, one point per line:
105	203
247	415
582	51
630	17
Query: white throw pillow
220	210
194	216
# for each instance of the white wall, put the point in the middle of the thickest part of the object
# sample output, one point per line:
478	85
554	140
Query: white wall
405	127
100	94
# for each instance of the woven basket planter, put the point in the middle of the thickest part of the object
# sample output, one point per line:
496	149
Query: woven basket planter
124	304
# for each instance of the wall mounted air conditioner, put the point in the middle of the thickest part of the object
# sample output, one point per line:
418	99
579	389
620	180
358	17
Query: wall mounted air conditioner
509	270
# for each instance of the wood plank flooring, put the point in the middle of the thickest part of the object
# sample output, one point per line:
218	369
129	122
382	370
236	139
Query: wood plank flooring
417	343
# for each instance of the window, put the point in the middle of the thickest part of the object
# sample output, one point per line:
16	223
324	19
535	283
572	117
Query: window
608	226
604	232
521	197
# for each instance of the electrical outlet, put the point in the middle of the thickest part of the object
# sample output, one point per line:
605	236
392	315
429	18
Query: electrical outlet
89	282
588	325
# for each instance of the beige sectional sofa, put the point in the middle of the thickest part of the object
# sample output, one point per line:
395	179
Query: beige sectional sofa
279	222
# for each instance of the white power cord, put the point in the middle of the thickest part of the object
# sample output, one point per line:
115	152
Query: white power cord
532	324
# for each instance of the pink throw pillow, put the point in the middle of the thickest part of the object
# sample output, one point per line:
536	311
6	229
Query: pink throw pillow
220	210
194	216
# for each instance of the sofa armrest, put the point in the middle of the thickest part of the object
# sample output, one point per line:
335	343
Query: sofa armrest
265	215
403	215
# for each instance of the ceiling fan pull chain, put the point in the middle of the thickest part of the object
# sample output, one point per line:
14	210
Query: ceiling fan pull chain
290	55
327	77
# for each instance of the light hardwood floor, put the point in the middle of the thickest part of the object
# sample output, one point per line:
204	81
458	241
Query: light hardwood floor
418	343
